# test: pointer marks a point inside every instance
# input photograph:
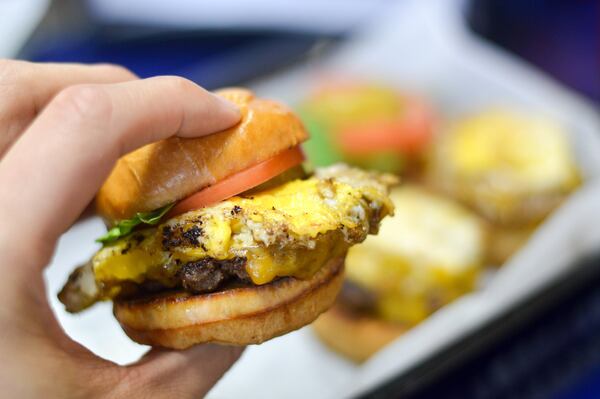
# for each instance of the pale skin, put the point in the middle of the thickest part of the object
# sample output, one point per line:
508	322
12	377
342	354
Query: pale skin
62	127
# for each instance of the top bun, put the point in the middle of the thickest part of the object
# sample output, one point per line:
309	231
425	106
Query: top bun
170	170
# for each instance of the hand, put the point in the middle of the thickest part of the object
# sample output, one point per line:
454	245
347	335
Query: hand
62	128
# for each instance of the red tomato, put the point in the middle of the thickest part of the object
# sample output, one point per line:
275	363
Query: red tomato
241	181
409	133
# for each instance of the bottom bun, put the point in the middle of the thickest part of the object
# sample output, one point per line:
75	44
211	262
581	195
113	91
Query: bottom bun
237	316
353	335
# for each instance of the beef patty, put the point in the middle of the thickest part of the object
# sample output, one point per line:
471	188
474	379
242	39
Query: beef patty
356	298
208	274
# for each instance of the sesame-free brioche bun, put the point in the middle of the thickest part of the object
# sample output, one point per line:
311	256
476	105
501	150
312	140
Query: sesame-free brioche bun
170	170
353	335
237	316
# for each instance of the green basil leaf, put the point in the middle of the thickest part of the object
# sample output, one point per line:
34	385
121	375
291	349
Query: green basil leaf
125	227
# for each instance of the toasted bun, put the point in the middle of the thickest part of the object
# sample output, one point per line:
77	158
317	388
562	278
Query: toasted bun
355	336
239	316
172	169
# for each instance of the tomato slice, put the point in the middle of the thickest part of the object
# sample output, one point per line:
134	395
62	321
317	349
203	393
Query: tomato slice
241	181
410	133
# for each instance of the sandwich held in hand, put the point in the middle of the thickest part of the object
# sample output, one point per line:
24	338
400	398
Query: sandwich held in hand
226	238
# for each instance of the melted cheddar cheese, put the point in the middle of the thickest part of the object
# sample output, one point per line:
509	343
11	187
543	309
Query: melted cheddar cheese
512	169
425	256
290	230
530	152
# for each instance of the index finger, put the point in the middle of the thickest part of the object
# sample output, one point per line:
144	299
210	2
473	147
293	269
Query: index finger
57	166
26	88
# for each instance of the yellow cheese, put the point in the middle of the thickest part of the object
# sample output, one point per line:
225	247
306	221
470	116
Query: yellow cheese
526	151
290	230
426	255
513	169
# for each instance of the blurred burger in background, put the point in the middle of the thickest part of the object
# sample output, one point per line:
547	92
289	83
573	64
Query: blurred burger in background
367	124
427	255
512	169
485	183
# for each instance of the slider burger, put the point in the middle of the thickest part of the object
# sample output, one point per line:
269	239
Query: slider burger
367	124
225	238
424	257
513	169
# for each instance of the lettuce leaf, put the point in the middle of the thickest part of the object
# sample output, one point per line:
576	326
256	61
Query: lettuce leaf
125	227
